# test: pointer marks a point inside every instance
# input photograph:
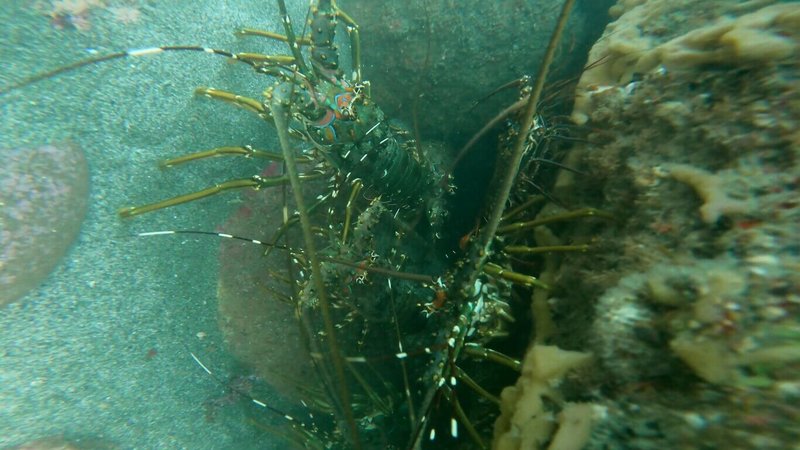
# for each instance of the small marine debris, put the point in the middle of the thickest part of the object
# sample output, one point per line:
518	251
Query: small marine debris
78	14
72	13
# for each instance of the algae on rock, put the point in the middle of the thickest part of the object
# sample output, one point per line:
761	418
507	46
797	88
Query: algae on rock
638	41
690	301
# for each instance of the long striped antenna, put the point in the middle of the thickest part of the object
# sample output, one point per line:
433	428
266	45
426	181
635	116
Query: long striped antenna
132	53
307	428
418	277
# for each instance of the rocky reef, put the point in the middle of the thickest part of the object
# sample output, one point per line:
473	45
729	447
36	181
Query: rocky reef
689	299
443	58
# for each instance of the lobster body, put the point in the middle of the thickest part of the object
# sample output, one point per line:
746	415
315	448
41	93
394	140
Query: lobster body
339	118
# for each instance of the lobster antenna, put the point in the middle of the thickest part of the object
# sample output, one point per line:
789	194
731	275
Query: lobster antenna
291	419
388	273
516	106
132	53
507	180
281	117
281	123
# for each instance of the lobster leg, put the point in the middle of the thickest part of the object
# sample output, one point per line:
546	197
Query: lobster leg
260	59
525	250
466	379
271	35
293	220
478	351
569	215
462	417
323	19
241	101
348	212
254	182
514	277
245	103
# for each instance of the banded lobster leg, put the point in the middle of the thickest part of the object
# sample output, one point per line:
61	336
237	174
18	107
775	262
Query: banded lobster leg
254	182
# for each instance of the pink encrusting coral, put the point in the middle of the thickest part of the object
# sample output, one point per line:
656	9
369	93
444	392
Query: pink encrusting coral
43	200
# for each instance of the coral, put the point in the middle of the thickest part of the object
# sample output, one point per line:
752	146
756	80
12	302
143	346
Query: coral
703	299
767	35
575	424
618	336
716	201
692	317
526	422
638	42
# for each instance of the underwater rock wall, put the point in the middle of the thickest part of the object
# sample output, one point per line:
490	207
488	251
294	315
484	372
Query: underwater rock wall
648	34
438	61
689	300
